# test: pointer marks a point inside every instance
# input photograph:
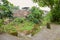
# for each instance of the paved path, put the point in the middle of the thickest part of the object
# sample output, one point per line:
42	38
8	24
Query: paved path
48	34
8	37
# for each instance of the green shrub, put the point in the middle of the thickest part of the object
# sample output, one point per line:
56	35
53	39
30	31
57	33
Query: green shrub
19	20
13	27
6	9
47	18
27	25
36	15
56	14
1	22
9	28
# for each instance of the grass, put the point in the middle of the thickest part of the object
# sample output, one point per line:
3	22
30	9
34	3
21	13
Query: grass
21	25
13	27
27	26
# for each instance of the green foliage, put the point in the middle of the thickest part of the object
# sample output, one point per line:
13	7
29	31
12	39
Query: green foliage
5	12
48	3
36	15
9	28
23	24
1	22
18	24
27	25
6	9
47	18
56	14
19	20
54	5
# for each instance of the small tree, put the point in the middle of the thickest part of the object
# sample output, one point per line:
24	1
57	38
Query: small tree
36	15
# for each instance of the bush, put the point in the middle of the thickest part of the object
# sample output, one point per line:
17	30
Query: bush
19	20
56	14
20	25
1	22
36	15
9	28
6	9
16	26
47	18
27	25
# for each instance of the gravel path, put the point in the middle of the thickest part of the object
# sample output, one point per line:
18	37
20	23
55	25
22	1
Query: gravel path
48	34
